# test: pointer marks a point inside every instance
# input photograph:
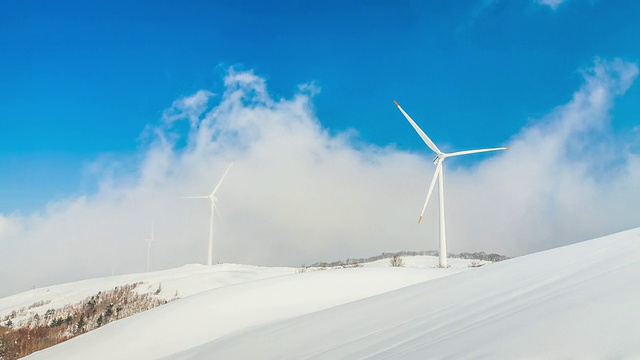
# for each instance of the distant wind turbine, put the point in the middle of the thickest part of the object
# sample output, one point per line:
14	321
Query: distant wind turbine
149	241
214	209
440	156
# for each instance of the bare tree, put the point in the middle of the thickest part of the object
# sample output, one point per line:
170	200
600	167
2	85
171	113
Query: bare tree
396	261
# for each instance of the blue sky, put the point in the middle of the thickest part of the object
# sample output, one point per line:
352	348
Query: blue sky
80	80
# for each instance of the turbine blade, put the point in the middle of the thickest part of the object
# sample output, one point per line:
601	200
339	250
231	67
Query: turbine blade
424	136
433	182
193	197
467	152
220	182
218	212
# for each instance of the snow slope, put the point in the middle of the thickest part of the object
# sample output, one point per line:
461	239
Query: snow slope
201	318
575	302
183	281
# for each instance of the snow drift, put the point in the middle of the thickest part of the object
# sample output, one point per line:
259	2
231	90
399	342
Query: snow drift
578	301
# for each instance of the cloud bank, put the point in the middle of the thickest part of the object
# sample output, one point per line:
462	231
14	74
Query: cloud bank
566	179
298	194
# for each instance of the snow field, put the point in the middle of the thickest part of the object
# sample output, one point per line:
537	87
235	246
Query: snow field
201	318
575	302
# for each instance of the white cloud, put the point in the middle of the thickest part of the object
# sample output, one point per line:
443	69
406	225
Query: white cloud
553	4
9	225
298	194
190	107
562	182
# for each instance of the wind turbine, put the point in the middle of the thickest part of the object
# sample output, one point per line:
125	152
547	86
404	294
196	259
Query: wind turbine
440	156
214	209
149	241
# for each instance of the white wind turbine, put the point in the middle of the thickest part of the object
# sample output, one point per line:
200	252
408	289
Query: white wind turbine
214	209
149	241
440	156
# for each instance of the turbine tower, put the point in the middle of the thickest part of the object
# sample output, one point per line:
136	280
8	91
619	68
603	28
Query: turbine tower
214	209
149	241
440	156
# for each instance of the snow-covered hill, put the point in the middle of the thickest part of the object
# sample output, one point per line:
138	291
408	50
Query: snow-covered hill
333	287
578	301
180	282
173	283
